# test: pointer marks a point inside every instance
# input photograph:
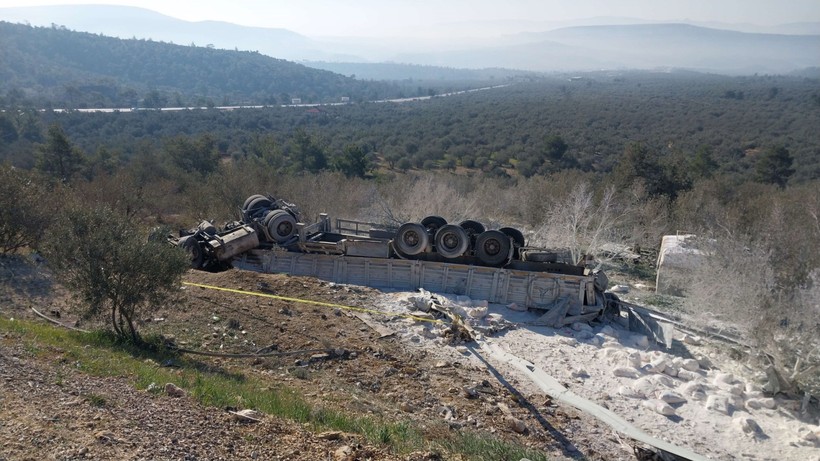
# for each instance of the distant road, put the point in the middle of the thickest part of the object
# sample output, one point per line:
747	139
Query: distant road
229	108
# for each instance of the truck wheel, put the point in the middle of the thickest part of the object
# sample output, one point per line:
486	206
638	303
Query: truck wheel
249	200
433	223
281	225
412	239
197	256
452	241
493	247
473	228
256	209
517	237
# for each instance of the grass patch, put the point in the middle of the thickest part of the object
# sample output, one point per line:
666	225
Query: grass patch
103	354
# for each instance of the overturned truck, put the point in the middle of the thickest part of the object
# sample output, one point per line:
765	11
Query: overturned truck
464	258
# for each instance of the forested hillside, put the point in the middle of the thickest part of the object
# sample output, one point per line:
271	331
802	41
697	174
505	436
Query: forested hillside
689	125
55	67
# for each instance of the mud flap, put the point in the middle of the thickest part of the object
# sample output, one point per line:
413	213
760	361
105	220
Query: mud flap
642	322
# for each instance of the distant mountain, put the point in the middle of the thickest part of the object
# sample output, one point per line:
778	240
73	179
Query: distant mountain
594	43
643	46
56	66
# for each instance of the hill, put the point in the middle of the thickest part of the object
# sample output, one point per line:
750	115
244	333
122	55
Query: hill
640	46
53	66
584	44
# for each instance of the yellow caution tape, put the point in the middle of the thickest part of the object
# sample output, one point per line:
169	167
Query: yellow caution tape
316	303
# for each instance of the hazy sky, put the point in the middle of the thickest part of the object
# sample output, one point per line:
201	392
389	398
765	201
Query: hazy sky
402	17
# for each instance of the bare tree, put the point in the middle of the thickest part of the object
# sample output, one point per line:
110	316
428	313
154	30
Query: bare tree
581	223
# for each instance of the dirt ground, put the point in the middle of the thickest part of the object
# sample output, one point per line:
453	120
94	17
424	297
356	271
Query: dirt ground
367	373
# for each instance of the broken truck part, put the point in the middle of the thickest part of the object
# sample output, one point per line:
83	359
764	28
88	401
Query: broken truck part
435	255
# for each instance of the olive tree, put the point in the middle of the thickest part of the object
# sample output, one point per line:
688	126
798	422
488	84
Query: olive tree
113	270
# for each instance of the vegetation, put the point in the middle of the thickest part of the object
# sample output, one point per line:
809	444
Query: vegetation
111	267
23	216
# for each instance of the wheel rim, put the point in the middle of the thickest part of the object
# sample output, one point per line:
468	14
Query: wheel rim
412	239
452	241
281	225
493	247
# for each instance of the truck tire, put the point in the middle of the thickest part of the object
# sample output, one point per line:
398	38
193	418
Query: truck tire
493	247
518	239
473	228
256	209
412	239
281	225
249	200
195	253
452	241
433	223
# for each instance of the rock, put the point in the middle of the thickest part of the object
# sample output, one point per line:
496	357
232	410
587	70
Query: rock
581	326
478	312
626	372
736	389
463	350
343	453
748	426
691	388
644	386
671	397
656	366
609	331
407	407
568	340
579	373
634	359
692	340
660	407
687	375
516	424
628	392
640	341
619	289
597	340
718	404
768	403
753	404
516	307
105	436
704	361
441	364
172	390
723	378
331	435
690	365
583	335
421	303
670	370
